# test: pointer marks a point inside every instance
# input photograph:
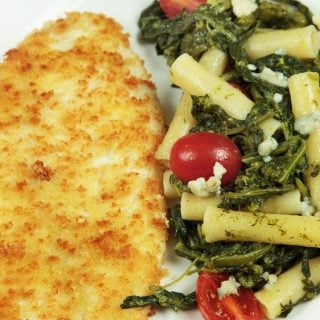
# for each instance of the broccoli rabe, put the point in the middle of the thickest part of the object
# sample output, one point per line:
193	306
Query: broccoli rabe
214	24
161	297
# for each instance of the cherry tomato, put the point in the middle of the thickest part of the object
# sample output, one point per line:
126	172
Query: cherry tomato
241	306
173	8
195	154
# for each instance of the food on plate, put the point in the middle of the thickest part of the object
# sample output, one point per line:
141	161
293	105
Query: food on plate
173	8
83	217
249	72
289	288
195	154
239	306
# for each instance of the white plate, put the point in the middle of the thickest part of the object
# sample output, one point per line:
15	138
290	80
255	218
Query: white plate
19	17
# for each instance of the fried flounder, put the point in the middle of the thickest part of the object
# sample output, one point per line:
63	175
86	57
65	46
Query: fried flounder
82	216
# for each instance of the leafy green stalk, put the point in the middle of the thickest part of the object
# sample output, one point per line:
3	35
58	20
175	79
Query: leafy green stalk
247	261
139	301
161	297
285	14
256	193
292	163
302	188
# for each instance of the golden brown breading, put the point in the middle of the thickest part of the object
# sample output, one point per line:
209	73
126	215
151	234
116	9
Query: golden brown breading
82	216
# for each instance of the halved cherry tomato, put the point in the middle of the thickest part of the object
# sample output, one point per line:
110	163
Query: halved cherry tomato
241	306
195	154
173	8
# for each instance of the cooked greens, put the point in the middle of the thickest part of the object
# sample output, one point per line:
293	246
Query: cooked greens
161	297
247	261
214	24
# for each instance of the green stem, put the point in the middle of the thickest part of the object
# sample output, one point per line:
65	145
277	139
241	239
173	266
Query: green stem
288	169
257	192
187	272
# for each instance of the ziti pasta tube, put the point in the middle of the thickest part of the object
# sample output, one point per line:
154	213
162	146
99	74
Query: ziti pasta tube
303	43
223	225
193	78
287	289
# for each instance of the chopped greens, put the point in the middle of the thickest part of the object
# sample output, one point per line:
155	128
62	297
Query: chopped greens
247	261
161	297
211	117
215	25
179	185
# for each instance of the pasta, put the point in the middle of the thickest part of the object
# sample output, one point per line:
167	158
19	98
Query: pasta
286	203
304	93
221	225
287	289
169	191
193	208
262	93
302	43
305	103
313	155
181	123
193	78
214	60
269	127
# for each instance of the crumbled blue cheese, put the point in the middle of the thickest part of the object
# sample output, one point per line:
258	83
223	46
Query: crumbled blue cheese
214	183
243	7
307	123
267	159
228	287
202	188
278	97
306	208
281	51
252	67
267	146
219	170
199	187
273	77
270	278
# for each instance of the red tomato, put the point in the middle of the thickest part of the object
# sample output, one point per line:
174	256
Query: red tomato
241	306
173	8
194	155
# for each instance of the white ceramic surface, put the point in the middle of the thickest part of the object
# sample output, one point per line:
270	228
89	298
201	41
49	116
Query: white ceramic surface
19	17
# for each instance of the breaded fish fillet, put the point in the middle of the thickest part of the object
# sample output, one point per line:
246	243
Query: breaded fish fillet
82	216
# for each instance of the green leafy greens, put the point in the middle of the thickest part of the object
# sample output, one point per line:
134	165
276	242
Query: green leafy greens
247	261
214	24
161	297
